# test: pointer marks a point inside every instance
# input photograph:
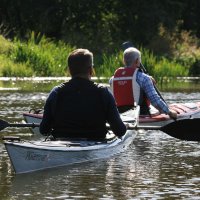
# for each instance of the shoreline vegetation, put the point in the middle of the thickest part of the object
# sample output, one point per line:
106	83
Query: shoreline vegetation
41	57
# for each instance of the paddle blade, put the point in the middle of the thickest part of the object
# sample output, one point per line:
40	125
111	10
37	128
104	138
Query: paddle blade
3	124
186	129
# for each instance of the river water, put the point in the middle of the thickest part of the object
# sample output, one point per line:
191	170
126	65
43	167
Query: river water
155	166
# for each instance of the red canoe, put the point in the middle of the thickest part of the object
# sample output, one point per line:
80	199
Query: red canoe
184	111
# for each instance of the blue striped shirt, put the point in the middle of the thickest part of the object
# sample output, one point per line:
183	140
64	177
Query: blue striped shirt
146	84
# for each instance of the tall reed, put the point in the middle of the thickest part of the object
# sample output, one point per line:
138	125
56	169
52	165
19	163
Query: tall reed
108	64
39	56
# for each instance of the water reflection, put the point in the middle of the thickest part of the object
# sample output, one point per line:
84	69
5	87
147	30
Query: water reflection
94	181
139	172
156	166
166	169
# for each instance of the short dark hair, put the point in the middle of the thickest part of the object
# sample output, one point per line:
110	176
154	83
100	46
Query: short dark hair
79	61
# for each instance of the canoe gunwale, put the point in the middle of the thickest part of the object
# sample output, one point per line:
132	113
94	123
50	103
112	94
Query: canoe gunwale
20	154
62	147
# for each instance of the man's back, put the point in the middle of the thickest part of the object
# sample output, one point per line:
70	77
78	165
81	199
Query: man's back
80	110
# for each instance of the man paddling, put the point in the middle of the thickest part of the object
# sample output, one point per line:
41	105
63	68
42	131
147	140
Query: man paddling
129	84
80	108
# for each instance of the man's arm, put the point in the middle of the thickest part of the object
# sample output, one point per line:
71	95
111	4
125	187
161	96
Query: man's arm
113	116
49	107
146	84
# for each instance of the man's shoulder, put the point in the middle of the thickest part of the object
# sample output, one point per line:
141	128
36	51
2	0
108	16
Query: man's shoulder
103	89
61	85
56	89
143	75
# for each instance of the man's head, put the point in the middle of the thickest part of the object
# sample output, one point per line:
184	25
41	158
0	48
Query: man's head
80	62
132	56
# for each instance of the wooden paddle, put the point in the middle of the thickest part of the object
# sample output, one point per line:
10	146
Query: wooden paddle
186	129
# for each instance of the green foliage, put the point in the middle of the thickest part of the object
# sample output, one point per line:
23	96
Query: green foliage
186	49
43	56
9	69
5	45
108	65
181	47
165	68
169	28
148	60
40	56
195	68
98	25
18	70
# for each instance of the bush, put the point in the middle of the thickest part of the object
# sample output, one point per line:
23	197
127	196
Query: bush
195	68
164	68
10	69
39	56
107	64
179	46
45	57
5	45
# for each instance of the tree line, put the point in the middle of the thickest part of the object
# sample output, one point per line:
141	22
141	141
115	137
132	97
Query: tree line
100	25
168	28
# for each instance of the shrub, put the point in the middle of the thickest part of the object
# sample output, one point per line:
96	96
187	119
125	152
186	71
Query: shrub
108	64
45	57
195	68
5	45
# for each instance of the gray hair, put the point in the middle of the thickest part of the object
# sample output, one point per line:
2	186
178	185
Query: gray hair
131	54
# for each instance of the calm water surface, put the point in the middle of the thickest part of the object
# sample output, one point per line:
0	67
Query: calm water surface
156	166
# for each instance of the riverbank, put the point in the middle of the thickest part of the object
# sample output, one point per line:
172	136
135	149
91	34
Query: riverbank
40	56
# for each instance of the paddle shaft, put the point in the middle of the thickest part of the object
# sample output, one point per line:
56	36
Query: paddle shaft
130	126
186	129
148	127
4	124
31	125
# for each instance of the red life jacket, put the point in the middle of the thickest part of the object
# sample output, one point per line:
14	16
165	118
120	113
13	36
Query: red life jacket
123	86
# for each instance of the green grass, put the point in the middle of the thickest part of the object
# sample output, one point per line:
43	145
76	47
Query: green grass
39	56
44	57
108	65
5	45
164	68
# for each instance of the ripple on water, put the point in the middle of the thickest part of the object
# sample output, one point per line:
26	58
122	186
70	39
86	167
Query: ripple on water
156	166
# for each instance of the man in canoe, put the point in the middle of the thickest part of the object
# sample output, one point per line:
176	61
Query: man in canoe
81	108
129	84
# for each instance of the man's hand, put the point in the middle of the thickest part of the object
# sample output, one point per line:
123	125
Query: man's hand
172	114
153	80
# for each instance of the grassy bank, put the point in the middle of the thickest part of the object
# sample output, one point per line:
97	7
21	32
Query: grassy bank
39	56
